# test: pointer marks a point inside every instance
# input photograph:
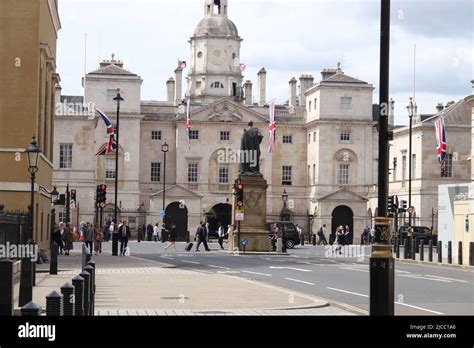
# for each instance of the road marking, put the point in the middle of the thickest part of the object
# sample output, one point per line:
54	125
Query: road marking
187	261
228	272
414	276
299	281
420	308
292	268
398	271
214	266
354	269
347	292
258	273
167	257
454	280
269	259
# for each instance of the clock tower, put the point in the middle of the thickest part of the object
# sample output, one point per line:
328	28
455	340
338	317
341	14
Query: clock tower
215	57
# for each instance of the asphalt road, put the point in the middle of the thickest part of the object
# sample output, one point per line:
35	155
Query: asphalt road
343	281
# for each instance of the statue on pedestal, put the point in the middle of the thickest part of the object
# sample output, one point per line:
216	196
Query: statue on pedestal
250	151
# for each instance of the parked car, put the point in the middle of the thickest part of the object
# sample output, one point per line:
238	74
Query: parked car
419	233
290	234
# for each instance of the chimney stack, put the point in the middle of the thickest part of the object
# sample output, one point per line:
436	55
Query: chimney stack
306	82
327	73
170	86
262	86
178	91
439	107
292	99
248	92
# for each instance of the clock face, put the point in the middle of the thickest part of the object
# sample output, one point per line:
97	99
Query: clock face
218	57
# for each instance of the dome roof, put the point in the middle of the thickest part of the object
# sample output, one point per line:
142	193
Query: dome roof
216	26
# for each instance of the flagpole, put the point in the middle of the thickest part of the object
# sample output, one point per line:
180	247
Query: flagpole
118	99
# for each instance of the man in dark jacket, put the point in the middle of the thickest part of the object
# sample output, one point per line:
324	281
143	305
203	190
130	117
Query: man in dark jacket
124	235
201	236
149	232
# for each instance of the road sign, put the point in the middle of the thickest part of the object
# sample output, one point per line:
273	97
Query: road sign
102	205
162	213
239	215
245	242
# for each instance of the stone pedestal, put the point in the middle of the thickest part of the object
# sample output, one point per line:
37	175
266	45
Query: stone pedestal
252	228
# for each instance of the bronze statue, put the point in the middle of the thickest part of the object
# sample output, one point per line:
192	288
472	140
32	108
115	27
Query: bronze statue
250	151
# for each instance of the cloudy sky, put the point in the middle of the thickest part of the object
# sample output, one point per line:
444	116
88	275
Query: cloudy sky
288	38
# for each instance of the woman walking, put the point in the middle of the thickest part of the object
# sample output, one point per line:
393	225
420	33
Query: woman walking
98	237
172	237
68	240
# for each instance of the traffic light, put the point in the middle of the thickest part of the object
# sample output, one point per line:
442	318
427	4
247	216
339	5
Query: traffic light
73	195
61	200
403	206
391	204
104	193
239	193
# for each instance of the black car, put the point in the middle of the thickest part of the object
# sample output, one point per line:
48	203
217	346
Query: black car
290	233
419	233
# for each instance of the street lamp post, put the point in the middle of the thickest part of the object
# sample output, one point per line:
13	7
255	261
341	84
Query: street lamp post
284	212
68	204
26	280
164	148
412	109
382	264
54	199
118	99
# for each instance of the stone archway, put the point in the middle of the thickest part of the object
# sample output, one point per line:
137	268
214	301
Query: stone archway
343	215
177	213
220	213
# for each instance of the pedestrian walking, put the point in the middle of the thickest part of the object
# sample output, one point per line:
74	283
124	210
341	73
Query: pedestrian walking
347	236
149	232
68	239
172	237
98	237
156	232
322	235
124	235
105	232
201	236
364	240
339	239
111	230
88	233
221	235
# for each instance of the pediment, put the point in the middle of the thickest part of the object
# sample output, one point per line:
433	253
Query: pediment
343	195
177	191
226	110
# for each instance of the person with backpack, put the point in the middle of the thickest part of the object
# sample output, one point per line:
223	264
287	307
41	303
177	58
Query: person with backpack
201	236
321	235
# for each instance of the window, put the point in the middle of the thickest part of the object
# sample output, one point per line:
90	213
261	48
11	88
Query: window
111	94
65	156
314	136
309	138
192	172
404	170
217	85
315	103
62	214
343	174
198	84
156	135
345	137
225	136
194	135
309	175
447	170
286	175
413	166
287	139
394	171
346	102
309	106
314	173
224	174
110	168
155	172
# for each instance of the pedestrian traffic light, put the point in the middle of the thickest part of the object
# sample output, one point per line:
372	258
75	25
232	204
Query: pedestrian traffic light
239	193
104	193
73	195
390	204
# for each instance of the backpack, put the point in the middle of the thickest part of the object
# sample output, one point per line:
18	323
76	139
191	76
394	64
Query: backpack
320	232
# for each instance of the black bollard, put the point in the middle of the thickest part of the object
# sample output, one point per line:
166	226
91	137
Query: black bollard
413	249
459	253
68	299
439	250
430	251
471	254
89	268
422	250
78	283
33	263
395	243
405	249
450	252
397	249
54	304
87	294
26	282
31	309
53	263
6	287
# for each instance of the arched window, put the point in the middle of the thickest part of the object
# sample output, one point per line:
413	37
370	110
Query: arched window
217	85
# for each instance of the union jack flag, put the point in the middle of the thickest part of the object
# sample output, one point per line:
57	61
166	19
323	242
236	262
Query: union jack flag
108	147
181	64
440	139
243	67
188	124
272	127
108	124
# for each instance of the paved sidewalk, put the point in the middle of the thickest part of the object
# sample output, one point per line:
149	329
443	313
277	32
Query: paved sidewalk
135	286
